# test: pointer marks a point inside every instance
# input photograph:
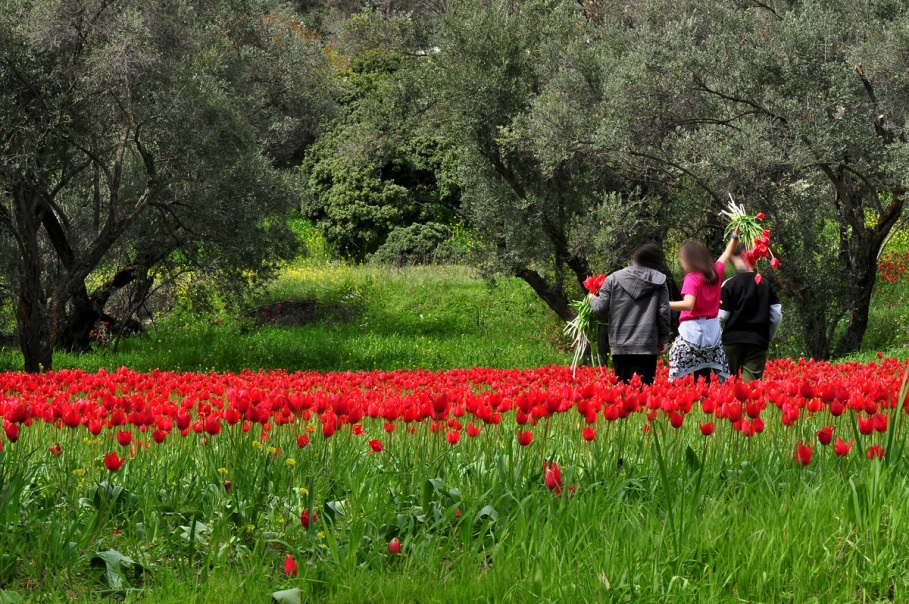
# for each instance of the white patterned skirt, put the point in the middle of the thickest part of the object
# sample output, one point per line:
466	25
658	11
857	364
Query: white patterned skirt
699	346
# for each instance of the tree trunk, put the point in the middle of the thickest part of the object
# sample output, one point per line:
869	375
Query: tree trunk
865	274
72	332
33	326
553	298
87	310
863	248
31	311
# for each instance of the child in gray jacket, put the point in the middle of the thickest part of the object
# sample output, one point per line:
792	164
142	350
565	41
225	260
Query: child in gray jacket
635	302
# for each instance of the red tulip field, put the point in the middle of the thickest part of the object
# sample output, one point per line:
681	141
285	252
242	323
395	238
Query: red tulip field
520	483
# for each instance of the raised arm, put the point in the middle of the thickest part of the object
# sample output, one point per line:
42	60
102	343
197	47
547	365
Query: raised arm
730	247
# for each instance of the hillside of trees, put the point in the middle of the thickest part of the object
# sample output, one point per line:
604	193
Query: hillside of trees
145	142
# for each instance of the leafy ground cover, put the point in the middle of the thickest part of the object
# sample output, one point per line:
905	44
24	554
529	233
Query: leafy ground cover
503	484
494	484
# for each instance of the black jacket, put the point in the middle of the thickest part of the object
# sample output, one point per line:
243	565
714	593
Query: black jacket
750	311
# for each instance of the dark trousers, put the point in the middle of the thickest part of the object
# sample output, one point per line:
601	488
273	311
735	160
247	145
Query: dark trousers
747	359
626	365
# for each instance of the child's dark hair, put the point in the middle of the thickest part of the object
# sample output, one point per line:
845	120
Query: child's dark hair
698	258
649	255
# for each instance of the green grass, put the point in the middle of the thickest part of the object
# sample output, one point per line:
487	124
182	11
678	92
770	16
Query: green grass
383	318
733	520
434	317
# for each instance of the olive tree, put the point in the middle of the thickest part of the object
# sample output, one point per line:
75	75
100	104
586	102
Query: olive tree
133	131
798	109
522	88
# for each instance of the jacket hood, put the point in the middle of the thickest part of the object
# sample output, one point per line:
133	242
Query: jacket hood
639	281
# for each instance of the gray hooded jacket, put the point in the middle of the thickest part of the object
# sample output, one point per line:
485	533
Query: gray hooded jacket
636	302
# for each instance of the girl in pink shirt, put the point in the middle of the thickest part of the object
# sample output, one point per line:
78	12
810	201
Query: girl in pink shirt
699	348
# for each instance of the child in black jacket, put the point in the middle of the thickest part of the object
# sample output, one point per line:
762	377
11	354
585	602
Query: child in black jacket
751	313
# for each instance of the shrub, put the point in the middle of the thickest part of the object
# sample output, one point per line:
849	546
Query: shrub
414	244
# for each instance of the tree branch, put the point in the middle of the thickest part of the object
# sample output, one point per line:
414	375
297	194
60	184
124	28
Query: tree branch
882	131
699	82
684	170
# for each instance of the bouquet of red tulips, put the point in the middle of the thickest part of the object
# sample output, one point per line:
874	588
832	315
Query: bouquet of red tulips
583	325
753	236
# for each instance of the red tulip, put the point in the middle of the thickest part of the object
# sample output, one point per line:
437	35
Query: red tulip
676	419
841	447
553	477
473	431
866	425
12	432
453	437
760	216
803	454
775	263
124	438
758	279
880	422
376	445
394	546
706	429
290	566
305	518
56	450
113	462
825	435
875	451
594	283
303	440
525	438
589	433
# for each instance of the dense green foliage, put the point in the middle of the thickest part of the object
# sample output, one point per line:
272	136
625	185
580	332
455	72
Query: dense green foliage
366	318
140	140
554	135
378	170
